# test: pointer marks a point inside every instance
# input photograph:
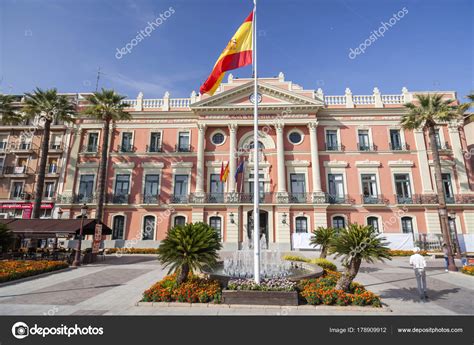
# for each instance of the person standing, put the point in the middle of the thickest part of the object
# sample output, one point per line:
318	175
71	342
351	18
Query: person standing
445	254
418	263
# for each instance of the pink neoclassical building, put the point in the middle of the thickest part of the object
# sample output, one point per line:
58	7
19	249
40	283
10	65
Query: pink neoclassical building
324	161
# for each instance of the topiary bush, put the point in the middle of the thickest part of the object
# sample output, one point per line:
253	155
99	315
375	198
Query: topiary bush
324	263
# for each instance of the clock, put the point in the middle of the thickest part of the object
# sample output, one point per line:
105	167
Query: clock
252	98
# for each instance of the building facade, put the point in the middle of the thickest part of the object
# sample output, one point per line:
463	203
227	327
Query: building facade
324	161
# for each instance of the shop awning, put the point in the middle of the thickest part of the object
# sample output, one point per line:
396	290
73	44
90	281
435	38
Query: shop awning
52	227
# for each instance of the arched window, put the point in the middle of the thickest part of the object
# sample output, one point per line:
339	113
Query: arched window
301	224
339	222
260	145
148	232
216	224
118	227
407	225
374	222
179	221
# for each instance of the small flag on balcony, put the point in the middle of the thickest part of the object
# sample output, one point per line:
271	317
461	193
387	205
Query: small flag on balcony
238	53
224	172
240	169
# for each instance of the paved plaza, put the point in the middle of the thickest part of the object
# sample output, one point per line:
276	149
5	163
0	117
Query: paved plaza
114	286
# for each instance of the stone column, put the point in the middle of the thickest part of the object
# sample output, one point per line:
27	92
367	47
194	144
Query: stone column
459	158
200	160
232	156
314	157
280	159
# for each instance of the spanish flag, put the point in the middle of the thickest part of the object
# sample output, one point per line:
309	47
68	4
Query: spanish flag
238	53
224	172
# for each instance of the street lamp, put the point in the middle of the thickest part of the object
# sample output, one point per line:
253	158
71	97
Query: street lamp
77	257
452	215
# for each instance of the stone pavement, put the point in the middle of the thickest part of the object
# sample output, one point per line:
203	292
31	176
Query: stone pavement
115	286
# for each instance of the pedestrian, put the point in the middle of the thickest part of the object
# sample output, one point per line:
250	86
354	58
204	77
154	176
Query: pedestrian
419	263
445	254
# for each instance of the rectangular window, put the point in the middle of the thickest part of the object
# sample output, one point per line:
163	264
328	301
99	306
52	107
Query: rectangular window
216	188
151	190
301	225
49	190
183	142
438	139
46	213
181	185
331	140
364	142
17	190
86	187
395	140
2	163
3	143
122	187
55	142
403	188
155	142
127	142
298	187
92	142
336	187
448	187
369	188
52	167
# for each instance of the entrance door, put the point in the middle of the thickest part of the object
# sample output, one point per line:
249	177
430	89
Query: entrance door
263	224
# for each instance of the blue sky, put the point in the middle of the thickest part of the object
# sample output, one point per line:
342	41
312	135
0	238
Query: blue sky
61	43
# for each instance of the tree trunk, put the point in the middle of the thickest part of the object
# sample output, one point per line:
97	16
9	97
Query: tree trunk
41	170
324	252
348	276
183	274
101	184
442	209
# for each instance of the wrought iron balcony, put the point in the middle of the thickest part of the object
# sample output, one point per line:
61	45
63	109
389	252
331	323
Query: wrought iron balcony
399	147
179	199
443	146
56	147
81	198
464	199
183	148
153	148
367	147
126	148
52	169
339	199
150	199
299	198
16	170
373	199
264	198
334	147
22	147
119	198
89	149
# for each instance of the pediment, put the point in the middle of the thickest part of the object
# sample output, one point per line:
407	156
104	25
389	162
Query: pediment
272	97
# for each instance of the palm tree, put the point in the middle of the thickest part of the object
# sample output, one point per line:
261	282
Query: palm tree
188	248
426	115
323	236
355	244
9	115
105	106
46	106
6	238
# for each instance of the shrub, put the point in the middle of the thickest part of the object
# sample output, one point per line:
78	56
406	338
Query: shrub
468	270
193	290
12	270
324	263
406	252
295	258
323	291
131	250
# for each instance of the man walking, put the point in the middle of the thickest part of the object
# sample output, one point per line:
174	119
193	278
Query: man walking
419	263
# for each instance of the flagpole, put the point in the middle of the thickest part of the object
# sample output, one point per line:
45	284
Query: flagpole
256	184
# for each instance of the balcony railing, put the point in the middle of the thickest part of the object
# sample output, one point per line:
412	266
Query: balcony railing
20	196
56	147
118	198
373	200
150	199
183	148
399	147
52	169
367	148
299	198
17	170
444	146
179	199
332	147
22	147
126	148
339	199
90	149
153	148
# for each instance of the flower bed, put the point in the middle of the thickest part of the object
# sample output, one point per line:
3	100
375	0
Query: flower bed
131	251
278	284
12	270
468	270
194	290
322	291
406	252
323	263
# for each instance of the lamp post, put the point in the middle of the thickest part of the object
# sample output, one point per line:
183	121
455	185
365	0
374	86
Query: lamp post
452	215
77	257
